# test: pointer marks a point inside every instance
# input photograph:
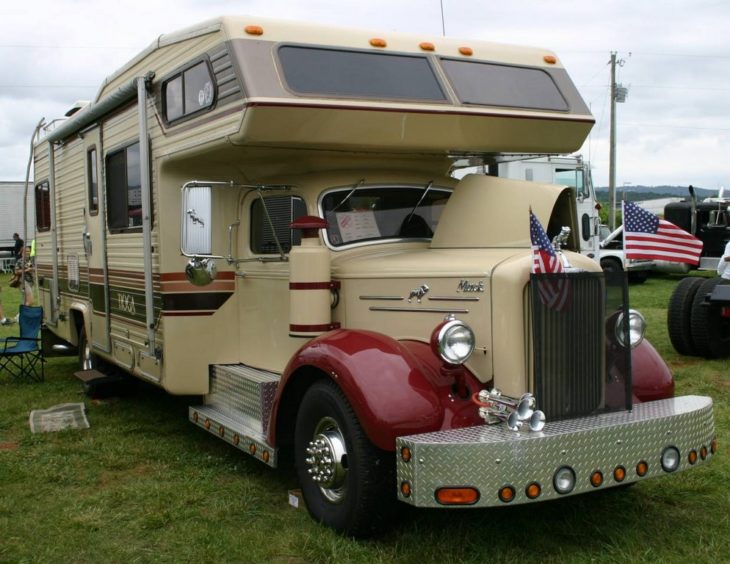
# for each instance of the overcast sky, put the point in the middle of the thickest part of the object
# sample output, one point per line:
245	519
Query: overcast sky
673	129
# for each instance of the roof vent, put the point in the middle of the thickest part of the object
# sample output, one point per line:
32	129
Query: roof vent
78	105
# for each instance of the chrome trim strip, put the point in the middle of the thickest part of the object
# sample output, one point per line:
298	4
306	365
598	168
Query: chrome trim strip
453	299
389	298
419	310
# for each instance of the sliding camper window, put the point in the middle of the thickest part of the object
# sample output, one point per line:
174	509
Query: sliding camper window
43	206
359	74
489	84
189	92
92	179
124	189
280	212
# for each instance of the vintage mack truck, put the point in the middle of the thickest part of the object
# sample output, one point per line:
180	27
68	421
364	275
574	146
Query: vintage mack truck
262	214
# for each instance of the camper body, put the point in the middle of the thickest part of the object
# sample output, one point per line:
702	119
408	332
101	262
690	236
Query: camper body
595	242
261	214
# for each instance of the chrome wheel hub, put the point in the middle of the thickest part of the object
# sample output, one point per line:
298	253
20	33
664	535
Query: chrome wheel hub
326	459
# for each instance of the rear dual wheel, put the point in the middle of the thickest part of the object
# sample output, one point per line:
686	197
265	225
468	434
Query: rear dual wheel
710	331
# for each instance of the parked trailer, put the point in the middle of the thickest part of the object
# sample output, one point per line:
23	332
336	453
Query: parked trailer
12	195
327	288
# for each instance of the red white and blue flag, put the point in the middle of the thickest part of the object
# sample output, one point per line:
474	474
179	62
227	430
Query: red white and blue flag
554	291
648	237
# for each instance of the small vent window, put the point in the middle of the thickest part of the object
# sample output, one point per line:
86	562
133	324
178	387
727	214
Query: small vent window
43	206
188	93
281	210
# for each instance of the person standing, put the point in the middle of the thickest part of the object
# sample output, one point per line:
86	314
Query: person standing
24	271
723	266
18	249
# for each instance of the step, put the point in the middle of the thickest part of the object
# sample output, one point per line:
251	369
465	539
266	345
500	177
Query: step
242	393
234	432
93	377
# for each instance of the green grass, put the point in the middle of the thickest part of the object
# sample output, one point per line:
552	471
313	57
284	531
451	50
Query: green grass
144	485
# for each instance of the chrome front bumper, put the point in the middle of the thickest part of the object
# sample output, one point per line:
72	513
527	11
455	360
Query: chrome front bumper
490	457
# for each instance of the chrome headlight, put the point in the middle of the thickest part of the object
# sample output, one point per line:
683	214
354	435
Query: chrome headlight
637	328
454	341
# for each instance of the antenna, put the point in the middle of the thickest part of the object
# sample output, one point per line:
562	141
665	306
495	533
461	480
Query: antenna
443	22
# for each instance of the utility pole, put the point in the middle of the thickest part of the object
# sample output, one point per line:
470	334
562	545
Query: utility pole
618	94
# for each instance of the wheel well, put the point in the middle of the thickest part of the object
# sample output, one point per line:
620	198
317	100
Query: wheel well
298	383
611	263
77	325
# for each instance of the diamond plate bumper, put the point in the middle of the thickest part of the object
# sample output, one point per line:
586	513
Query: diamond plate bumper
491	456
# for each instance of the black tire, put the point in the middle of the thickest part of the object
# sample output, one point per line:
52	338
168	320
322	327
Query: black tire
710	331
611	265
348	484
679	315
638	276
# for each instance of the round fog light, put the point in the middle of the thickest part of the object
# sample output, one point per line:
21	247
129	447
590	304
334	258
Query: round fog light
670	459
564	480
453	340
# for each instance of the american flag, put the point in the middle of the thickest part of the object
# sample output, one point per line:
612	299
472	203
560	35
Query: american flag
554	291
648	237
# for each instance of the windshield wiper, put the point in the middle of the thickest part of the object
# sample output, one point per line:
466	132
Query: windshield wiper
349	194
418	203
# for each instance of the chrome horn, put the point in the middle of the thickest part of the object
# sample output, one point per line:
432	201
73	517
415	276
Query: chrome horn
494	408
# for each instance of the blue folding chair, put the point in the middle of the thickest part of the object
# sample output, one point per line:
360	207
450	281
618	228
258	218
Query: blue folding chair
23	356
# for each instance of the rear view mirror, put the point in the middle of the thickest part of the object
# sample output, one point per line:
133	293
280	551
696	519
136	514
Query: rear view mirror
196	221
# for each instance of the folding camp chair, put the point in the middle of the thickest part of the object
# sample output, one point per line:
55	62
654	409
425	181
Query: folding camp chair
22	356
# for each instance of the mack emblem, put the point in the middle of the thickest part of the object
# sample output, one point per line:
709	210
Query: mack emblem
466	286
418	293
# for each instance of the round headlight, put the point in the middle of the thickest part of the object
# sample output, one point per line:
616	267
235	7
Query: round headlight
455	341
637	328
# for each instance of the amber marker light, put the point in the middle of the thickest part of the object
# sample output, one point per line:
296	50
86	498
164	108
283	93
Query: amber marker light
550	59
713	446
405	489
692	456
457	496
254	30
265	456
252	448
195	417
426	46
642	468
597	479
506	493
619	474
533	490
378	42
405	454
703	452
467	51
207	424
236	440
221	431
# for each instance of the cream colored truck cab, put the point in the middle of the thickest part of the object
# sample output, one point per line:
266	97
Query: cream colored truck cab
260	213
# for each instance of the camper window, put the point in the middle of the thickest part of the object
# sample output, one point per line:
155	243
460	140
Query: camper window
42	206
93	181
281	210
488	84
124	189
189	92
359	74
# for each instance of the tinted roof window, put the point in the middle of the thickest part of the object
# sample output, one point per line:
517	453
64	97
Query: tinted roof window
359	74
488	84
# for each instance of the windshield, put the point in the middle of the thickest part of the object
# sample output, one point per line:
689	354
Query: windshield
373	213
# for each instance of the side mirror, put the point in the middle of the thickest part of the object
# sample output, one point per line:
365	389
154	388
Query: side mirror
196	221
200	272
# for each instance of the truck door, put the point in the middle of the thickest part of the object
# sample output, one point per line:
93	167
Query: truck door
94	237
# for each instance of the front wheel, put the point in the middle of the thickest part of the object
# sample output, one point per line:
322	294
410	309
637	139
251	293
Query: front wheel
348	484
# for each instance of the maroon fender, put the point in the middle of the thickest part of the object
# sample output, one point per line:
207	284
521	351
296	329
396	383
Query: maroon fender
650	375
396	388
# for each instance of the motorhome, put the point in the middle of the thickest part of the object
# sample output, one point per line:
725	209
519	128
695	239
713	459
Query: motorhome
260	214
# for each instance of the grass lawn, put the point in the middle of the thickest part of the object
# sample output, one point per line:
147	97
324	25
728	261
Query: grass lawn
144	485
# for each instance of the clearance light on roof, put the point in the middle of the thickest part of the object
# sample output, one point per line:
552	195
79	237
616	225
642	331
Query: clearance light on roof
550	59
426	46
378	42
467	51
254	30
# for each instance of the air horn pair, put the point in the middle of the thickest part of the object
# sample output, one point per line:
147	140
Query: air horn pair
495	407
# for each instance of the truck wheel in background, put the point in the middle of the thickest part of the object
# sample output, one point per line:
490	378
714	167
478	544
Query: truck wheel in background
638	277
710	332
611	265
679	315
348	484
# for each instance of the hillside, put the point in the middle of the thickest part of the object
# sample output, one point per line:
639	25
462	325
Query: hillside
638	193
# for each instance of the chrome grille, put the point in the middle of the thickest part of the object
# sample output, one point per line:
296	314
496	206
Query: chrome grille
569	343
